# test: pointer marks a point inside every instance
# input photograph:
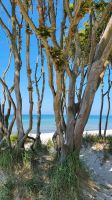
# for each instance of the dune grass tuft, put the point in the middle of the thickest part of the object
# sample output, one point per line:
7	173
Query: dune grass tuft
65	180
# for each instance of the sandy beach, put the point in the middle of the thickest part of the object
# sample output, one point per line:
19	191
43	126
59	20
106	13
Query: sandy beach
46	136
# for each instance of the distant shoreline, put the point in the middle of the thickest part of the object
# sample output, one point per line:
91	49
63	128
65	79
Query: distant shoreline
48	123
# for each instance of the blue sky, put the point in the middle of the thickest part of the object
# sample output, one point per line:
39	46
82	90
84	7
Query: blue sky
48	100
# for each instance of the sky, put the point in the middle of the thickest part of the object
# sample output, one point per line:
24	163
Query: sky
47	107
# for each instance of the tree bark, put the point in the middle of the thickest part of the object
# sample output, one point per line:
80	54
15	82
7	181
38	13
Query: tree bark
108	97
101	110
1	128
87	101
57	110
18	63
70	115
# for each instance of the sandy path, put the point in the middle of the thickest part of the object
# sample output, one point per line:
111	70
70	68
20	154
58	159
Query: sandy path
100	167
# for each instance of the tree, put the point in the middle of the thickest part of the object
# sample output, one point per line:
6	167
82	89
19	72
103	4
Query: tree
58	53
108	97
14	34
40	95
6	127
103	94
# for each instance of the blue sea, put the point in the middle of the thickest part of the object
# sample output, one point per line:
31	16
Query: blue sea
48	123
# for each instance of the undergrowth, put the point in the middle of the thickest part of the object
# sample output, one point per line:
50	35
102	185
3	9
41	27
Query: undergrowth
33	176
93	139
66	180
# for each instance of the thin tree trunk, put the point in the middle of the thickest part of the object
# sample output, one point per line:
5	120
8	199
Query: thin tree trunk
40	99
106	124
38	141
7	128
18	64
1	128
30	87
108	97
101	110
40	105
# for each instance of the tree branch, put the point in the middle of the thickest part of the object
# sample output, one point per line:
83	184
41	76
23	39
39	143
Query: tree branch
5	28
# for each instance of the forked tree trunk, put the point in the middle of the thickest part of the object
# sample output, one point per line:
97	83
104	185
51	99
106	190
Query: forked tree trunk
87	101
5	126
98	68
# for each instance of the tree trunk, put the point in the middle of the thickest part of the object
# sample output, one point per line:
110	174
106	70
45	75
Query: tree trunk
101	110
40	100
106	124
108	97
28	71
87	101
57	110
94	78
70	115
1	128
17	59
19	103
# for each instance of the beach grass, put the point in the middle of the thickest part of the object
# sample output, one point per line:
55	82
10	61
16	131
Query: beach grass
67	180
106	142
37	175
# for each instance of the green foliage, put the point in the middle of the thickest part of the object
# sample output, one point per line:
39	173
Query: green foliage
39	176
71	7
84	35
110	144
10	158
57	55
6	159
13	138
6	186
100	5
50	144
85	41
44	31
93	139
65	180
85	7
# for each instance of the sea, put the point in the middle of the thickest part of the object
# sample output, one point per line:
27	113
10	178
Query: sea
48	123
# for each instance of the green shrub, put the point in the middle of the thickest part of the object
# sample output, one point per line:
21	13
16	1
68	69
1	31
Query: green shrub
65	180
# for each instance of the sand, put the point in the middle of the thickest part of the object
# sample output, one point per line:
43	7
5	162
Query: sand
100	167
46	136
